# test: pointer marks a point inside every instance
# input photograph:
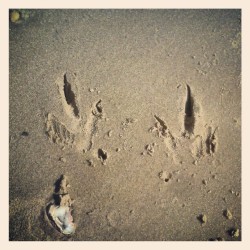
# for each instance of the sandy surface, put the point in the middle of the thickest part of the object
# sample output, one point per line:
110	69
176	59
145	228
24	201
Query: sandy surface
102	97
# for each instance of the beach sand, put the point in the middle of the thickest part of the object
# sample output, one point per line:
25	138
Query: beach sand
140	109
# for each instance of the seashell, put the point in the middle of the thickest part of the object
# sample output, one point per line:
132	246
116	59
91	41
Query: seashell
62	218
59	210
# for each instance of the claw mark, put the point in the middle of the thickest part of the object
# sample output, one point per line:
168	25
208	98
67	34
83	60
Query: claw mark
211	141
189	103
70	96
91	125
166	132
189	119
163	131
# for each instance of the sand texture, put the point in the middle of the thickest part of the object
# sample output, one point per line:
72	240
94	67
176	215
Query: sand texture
140	109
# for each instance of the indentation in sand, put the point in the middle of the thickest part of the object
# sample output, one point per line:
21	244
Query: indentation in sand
57	132
211	141
67	87
69	95
189	120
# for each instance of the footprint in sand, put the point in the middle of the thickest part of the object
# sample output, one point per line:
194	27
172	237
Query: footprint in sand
74	130
202	141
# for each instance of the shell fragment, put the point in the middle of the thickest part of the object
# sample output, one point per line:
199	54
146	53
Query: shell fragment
59	210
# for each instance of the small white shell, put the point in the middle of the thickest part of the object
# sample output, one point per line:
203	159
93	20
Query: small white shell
61	216
59	211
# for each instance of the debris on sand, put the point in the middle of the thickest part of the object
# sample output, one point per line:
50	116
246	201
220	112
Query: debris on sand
20	15
166	177
228	214
62	159
102	155
237	194
59	211
98	109
25	134
127	123
110	133
202	218
15	16
204	182
90	163
234	233
150	148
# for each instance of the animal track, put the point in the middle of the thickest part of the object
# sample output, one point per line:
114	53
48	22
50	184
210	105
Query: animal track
200	142
83	130
189	120
57	132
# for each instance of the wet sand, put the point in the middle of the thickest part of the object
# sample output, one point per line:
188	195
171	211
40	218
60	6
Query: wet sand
141	110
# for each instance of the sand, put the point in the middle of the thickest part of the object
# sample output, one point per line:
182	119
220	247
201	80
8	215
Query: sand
140	109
